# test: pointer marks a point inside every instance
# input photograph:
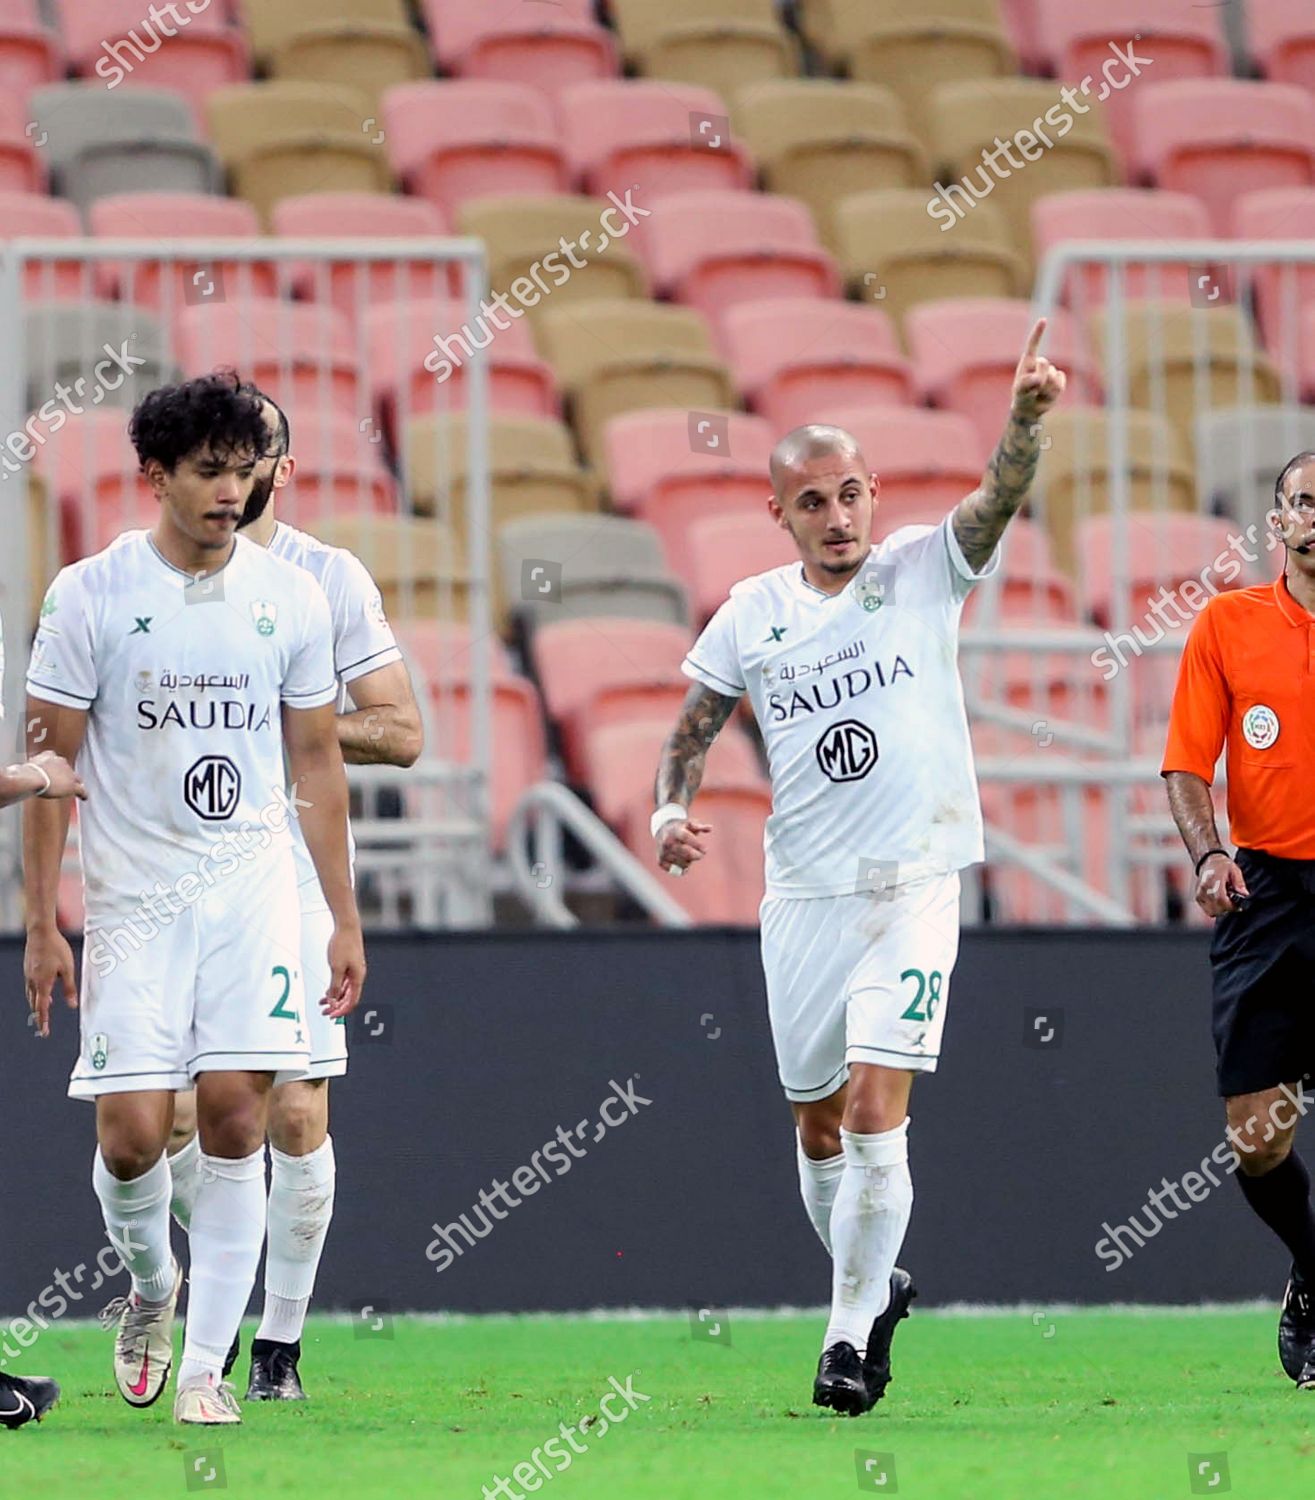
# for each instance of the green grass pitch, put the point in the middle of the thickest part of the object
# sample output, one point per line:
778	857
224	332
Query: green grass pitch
1010	1406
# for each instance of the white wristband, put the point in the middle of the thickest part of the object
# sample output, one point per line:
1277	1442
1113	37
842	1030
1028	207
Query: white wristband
41	771
667	813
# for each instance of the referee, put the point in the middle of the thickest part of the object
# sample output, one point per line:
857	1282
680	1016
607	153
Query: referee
1247	681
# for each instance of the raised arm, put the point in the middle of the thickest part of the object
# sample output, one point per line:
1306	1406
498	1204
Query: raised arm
680	774
980	518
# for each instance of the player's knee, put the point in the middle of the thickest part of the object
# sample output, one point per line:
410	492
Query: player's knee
129	1154
819	1134
298	1117
1256	1156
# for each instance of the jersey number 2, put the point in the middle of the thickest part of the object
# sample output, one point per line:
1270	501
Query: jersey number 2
279	1012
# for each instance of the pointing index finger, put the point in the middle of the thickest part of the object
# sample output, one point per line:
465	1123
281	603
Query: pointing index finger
1034	338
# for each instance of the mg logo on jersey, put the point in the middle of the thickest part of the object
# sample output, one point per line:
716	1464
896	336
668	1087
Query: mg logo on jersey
212	788
847	751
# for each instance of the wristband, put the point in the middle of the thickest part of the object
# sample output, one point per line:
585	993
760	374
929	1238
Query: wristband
667	813
31	765
1209	854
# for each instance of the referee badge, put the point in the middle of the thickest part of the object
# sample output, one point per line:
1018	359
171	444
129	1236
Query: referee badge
1260	726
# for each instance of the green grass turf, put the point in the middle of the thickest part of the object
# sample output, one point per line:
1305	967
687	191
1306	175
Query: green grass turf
1035	1406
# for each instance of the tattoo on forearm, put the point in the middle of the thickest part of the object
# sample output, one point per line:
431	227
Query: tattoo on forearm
680	770
1194	812
981	517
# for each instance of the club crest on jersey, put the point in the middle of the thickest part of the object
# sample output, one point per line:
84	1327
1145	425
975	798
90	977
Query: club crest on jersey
100	1051
870	593
265	615
1260	726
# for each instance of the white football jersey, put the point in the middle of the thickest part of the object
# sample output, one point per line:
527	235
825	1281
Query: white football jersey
859	701
184	680
363	641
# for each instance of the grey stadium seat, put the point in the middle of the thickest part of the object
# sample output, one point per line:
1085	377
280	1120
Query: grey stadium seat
1240	452
564	567
63	342
98	142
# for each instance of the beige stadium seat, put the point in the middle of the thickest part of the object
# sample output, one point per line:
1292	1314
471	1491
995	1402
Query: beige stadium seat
612	357
521	232
716	44
895	254
283	134
1162	344
1073	478
821	139
968	117
271	23
368	56
419	567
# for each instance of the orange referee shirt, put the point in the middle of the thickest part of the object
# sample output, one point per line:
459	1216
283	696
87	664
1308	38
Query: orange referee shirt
1247	676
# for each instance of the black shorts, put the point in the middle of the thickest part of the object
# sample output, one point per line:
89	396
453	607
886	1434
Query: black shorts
1261	960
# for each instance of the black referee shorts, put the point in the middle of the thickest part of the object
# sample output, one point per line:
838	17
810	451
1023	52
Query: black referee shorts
1261	961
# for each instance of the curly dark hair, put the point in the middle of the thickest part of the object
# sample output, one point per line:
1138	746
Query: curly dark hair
213	411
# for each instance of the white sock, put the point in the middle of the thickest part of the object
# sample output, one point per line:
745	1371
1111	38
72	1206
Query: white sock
818	1181
185	1172
868	1223
228	1229
300	1207
136	1217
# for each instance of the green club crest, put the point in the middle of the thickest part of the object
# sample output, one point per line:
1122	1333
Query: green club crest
100	1051
265	615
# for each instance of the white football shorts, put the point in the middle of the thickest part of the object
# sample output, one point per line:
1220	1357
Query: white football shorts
862	977
211	985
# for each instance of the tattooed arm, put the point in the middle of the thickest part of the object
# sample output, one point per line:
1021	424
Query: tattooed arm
680	773
1194	812
980	519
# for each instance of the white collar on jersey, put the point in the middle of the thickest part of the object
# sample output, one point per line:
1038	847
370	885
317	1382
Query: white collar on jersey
182	572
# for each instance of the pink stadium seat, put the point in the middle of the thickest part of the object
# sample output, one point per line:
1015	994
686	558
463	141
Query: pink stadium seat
403	363
30	52
91	476
723	548
36	215
671	467
21	167
1079	41
1032	589
166	216
795	356
352	287
600	669
966	350
1279	214
550	51
1120	214
1169	550
1282	37
926	461
339	469
1022	22
304	356
1306	352
655	138
458	139
714	249
442	649
1221	137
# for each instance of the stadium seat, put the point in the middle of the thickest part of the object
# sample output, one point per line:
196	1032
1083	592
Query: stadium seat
98	142
795	356
369	56
1121	214
271	23
599	670
354	286
612	357
892	252
30	52
1075	473
64	342
1170	43
22	167
1306	344
437	650
303	355
34	215
340	471
168	285
715	44
1030	588
91	474
912	52
458	139
1240	452
670	467
565	567
725	547
1022	24
284	133
715	249
116	41
971	117
521	232
966	352
1281	34
551	51
651	138
1280	290
820	139
1221	137
1183	360
420	570
408	345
